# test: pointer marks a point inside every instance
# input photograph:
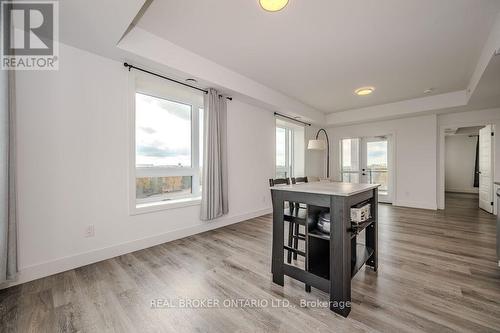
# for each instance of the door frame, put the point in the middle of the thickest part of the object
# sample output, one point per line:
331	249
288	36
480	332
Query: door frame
392	160
490	205
442	156
390	163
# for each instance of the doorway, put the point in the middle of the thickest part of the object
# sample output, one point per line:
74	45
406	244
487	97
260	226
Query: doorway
468	164
368	160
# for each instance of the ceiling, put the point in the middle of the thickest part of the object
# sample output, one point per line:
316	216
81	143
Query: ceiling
486	95
487	92
84	27
320	51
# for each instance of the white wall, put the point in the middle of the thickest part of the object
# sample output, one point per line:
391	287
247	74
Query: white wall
415	156
73	168
460	163
420	147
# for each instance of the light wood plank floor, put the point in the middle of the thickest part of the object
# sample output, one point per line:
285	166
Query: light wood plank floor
437	273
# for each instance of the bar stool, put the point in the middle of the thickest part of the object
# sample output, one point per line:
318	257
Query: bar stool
296	234
295	215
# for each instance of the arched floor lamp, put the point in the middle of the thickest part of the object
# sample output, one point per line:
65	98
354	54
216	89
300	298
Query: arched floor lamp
321	145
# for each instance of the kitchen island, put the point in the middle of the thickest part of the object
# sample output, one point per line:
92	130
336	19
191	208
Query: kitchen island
330	260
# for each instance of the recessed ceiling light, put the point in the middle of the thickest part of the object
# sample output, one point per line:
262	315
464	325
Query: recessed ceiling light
363	91
191	80
428	91
273	5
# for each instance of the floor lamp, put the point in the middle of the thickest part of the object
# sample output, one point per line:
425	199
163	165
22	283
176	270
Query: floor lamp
321	145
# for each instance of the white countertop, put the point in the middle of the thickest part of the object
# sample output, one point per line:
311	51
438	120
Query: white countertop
333	188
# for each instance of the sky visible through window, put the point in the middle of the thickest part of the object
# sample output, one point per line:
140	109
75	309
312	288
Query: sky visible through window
163	132
377	154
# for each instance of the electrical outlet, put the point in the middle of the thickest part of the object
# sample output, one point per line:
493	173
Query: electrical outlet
89	231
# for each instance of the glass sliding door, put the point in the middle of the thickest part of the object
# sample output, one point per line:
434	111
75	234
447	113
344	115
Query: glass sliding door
368	160
376	164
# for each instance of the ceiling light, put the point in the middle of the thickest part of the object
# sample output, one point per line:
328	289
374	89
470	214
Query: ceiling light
273	5
363	91
428	91
191	80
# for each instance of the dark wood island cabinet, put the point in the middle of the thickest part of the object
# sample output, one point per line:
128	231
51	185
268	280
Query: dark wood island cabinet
331	260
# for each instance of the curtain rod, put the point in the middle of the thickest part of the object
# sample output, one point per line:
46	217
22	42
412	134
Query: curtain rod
129	66
288	117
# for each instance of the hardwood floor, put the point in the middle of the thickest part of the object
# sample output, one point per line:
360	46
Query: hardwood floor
437	273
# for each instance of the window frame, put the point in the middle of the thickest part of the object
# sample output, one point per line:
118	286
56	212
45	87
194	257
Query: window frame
289	151
140	206
290	147
341	160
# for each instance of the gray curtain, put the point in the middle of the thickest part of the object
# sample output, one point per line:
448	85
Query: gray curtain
8	223
214	201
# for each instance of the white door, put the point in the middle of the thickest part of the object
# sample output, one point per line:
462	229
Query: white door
368	160
486	168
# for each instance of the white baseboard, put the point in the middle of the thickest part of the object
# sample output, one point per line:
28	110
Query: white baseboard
48	268
415	204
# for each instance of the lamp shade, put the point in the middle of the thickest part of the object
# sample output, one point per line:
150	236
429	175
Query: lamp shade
316	145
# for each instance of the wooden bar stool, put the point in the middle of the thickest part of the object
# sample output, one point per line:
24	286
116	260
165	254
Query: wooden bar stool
297	235
295	215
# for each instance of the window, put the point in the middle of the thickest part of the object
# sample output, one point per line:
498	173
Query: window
367	160
377	163
283	154
290	149
168	143
350	160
